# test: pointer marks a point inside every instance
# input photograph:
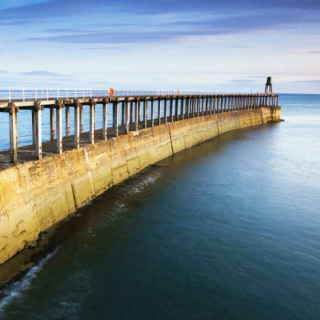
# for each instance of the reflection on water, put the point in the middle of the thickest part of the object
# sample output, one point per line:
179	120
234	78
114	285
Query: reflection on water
229	229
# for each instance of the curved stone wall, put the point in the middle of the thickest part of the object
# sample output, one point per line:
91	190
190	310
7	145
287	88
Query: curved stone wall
36	195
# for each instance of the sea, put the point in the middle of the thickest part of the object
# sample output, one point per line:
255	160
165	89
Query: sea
229	229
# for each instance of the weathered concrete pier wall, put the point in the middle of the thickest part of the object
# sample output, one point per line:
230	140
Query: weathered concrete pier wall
36	195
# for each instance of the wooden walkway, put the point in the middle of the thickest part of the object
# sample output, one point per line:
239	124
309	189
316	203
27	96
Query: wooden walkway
134	108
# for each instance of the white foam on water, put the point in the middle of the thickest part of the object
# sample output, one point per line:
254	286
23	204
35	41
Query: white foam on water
15	291
120	207
140	186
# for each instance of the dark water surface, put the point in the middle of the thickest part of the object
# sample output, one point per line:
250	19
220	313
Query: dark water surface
229	229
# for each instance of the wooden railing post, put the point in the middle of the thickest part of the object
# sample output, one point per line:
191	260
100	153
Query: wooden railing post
152	112
223	102
81	119
136	114
198	106
52	124
131	110
145	113
177	110
38	128
123	107
105	119
217	99
207	111
165	110
188	107
127	118
159	111
171	109
59	106
202	105
139	111
13	110
67	121
115	119
92	107
182	108
33	128
193	101
77	124
214	104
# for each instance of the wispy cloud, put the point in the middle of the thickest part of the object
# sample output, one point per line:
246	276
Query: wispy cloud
308	81
76	8
139	32
241	81
45	76
42	74
308	51
114	48
256	77
19	3
15	22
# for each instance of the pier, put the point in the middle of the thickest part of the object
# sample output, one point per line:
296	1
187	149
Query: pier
47	180
129	110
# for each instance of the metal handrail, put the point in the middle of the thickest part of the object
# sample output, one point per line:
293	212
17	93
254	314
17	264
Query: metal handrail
24	94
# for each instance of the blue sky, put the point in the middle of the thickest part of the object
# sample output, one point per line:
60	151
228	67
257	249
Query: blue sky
228	45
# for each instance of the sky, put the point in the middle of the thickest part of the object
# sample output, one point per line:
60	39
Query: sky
199	45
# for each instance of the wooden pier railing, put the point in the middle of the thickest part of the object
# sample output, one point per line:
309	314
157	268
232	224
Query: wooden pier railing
138	110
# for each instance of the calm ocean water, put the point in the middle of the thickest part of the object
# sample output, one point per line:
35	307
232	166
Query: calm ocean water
229	229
